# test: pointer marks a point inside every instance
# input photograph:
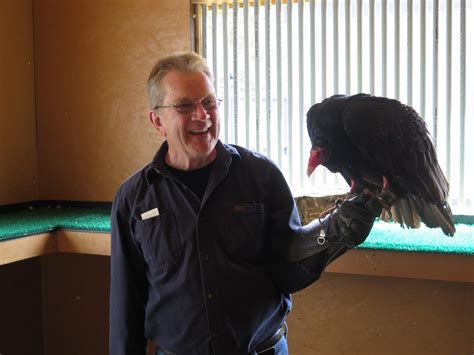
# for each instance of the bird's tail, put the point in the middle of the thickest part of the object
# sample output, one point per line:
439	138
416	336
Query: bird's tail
410	210
437	215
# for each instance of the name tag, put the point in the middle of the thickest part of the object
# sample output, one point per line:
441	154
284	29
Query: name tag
149	214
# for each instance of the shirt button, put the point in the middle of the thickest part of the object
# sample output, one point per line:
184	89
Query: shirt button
211	295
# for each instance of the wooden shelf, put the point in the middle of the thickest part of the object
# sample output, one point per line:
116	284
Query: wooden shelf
27	247
61	241
431	266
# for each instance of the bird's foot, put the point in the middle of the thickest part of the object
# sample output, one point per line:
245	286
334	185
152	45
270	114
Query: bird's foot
386	198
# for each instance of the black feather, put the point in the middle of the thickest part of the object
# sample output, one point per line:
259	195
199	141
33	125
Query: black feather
373	137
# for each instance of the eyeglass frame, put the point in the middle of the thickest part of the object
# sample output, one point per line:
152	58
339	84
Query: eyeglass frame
195	103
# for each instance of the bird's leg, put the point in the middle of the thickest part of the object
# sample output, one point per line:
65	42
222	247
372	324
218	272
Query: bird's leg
385	183
352	191
385	197
353	187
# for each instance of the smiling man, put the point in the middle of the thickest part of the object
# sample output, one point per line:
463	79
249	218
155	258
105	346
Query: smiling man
190	120
207	244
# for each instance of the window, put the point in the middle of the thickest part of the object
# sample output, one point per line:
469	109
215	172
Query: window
273	59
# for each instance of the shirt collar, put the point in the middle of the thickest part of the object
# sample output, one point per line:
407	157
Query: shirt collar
225	153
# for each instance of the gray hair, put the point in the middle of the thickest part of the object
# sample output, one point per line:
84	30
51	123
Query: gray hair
183	62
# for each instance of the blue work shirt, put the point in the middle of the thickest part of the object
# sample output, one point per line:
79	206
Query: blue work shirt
203	276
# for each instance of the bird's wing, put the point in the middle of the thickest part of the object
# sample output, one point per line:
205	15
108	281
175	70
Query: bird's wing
395	140
397	143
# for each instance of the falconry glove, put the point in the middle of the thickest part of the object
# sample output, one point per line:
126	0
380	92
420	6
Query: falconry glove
346	227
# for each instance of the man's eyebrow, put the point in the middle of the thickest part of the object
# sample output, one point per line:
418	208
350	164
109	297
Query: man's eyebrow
188	99
183	99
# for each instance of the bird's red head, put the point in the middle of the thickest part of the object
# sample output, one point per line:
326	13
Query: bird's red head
317	156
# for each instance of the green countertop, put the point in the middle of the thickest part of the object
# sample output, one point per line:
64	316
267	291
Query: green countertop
384	236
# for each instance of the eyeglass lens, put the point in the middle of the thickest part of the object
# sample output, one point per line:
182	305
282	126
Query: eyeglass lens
188	107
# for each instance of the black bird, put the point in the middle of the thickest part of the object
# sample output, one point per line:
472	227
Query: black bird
382	146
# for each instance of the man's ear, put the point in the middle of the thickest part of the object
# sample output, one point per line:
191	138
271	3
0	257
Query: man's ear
156	121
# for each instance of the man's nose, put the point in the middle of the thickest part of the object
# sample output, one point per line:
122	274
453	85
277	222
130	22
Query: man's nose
200	112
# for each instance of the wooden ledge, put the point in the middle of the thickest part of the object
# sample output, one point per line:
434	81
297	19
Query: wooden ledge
80	242
385	263
388	263
27	247
60	241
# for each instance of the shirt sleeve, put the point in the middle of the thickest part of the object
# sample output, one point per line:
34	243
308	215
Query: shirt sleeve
283	224
128	290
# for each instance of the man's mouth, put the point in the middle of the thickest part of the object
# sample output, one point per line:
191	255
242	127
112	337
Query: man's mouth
197	132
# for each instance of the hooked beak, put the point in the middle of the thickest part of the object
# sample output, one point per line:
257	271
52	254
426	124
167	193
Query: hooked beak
317	156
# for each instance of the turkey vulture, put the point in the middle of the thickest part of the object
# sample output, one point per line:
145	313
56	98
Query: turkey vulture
383	146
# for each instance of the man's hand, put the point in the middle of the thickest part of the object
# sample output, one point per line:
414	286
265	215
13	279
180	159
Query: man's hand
355	218
347	226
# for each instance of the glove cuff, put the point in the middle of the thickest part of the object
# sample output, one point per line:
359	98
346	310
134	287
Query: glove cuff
313	238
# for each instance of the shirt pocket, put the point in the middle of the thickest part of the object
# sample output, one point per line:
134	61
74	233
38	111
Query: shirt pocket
245	234
160	239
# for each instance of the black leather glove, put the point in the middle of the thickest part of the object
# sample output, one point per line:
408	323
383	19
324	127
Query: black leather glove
348	226
355	218
321	241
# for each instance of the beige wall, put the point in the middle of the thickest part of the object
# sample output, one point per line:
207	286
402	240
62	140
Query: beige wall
92	61
368	315
339	314
89	60
18	156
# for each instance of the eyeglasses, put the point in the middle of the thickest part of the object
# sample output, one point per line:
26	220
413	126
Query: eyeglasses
187	107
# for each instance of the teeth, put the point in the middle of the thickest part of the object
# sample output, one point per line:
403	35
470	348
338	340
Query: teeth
200	132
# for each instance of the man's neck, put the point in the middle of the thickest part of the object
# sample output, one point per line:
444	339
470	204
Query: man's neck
189	163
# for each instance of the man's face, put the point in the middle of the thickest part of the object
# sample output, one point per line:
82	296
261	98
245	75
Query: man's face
191	137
